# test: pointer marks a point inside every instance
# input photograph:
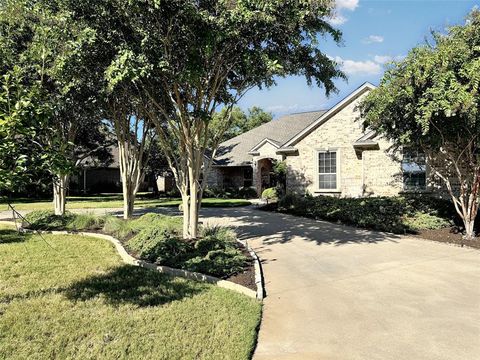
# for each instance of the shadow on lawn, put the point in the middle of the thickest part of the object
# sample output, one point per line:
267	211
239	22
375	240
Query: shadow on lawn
134	285
9	236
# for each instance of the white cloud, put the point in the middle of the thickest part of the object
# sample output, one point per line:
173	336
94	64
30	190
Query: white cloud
352	67
346	4
382	59
338	18
284	109
373	39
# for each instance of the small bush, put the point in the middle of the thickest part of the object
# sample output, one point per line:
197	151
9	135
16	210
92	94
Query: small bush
85	221
217	263
172	224
159	245
247	193
47	220
269	194
421	220
117	227
215	238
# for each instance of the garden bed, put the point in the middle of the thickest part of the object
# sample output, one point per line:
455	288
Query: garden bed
399	215
156	239
66	296
449	235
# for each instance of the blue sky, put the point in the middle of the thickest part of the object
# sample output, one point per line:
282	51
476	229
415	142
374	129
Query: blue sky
374	31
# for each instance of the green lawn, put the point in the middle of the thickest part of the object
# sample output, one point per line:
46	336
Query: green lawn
76	299
115	201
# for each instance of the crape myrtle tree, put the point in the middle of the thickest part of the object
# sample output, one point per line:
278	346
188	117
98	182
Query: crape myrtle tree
430	101
134	132
53	54
194	57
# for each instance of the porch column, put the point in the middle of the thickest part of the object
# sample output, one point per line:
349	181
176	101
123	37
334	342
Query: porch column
256	183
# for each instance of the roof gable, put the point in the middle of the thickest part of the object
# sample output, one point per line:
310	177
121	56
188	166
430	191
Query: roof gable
329	114
235	152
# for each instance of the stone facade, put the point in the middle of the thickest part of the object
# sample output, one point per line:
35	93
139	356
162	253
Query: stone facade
360	172
364	164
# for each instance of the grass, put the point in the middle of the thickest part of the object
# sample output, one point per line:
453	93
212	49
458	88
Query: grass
76	299
115	201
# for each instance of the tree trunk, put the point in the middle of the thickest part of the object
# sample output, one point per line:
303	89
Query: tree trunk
469	231
128	197
193	223
186	215
60	184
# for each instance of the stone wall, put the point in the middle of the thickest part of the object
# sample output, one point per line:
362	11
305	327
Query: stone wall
368	172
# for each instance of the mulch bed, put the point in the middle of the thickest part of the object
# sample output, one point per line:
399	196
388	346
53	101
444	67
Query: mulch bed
448	235
247	277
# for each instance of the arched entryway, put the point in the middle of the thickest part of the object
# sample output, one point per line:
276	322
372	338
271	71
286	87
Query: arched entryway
265	174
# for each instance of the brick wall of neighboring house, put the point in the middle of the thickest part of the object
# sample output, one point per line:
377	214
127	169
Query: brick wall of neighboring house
378	174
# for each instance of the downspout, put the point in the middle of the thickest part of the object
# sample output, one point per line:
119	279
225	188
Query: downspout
363	174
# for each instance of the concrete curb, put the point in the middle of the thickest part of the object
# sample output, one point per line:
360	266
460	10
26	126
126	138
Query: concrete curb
258	270
128	259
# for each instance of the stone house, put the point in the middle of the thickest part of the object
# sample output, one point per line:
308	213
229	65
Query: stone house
326	152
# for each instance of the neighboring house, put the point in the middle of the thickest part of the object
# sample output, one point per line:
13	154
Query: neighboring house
326	152
95	177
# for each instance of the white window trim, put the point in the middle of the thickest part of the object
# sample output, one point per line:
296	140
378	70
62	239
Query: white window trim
317	170
427	174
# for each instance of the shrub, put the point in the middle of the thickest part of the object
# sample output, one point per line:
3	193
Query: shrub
47	220
392	214
215	238
421	220
217	263
172	224
159	245
269	194
85	221
247	193
117	227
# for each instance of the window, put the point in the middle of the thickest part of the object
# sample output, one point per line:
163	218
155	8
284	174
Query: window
247	177
327	170
414	170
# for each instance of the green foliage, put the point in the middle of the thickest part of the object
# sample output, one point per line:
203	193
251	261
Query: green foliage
217	262
230	193
420	220
119	228
172	224
270	194
240	122
47	220
430	101
157	244
85	221
392	214
214	253
157	238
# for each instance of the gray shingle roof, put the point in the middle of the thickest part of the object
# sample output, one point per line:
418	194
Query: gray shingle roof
234	152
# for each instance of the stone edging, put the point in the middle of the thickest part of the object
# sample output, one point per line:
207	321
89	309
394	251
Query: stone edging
127	258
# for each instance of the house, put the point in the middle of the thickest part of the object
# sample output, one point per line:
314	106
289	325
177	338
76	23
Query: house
94	177
326	152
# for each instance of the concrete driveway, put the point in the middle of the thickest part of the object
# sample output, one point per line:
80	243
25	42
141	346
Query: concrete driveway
335	292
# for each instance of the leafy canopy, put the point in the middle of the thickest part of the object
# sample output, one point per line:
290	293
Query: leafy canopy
431	98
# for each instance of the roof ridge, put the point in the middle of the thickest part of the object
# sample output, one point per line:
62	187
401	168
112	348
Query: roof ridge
307	112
